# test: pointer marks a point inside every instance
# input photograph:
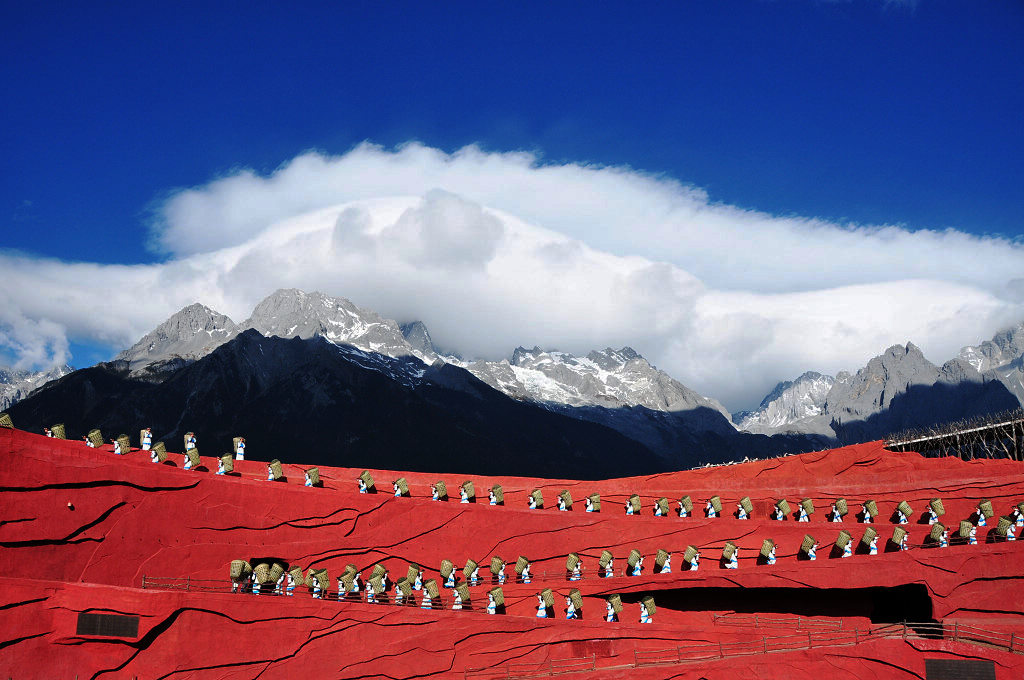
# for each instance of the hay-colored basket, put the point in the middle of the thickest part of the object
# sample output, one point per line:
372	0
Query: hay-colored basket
378	571
663	506
321	578
783	505
595	501
276	469
547	597
807	543
898	535
96	438
571	561
872	508
367	478
186	437
869	535
841	507
615	601
5	421
576	598
716	503
687	503
499	493
747	506
729	550
689	554
661	558
58	431
463	590
937	529
262	571
634	557
125	443
538	498
447	567
843	539
606	559
442	490
521	564
499	596
404	586
193	457
160	450
296	574
1003	527
234	444
566	499
986	508
936	505
467	486
965	528
403	486
808	505
649	605
413	572
276	571
430	585
905	508
470	567
766	547
238	568
227	461
377	583
496	565
314	475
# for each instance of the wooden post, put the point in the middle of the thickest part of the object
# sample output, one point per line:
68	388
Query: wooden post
904	631
764	640
955	624
593	665
188	582
636	660
721	651
810	643
1011	643
856	637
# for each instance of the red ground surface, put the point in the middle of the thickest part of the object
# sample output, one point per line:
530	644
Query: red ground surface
135	531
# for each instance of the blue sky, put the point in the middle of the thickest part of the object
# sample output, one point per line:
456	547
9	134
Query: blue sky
861	112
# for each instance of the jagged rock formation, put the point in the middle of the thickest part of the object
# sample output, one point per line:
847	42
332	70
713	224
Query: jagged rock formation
187	335
15	385
1001	358
789	406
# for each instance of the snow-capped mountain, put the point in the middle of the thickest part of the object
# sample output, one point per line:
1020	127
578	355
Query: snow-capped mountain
16	385
787	406
1001	358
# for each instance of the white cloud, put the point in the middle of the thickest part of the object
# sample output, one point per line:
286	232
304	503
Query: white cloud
492	250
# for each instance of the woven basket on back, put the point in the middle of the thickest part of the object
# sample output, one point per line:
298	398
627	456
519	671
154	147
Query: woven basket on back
747	506
606	558
663	506
227	461
193	457
470	567
689	554
783	505
314	475
347	580
161	451
296	573
308	579
413	572
96	438
496	564
498	595
843	539
898	534
634	557
58	431
729	550
521	564
766	546
841	506
142	437
442	490
378	571
262	573
124	442
595	501
566	499
321	578
1004	524
276	469
276	571
538	497
576	598
1020	508
404	586
238	569
616	602
5	421
687	503
467	486
571	561
649	605
716	503
547	597
905	508
936	505
661	558
869	535
807	543
965	528
377	583
936	532
499	493
367	478
808	505
430	585
463	590
446	568
986	508
403	486
872	508
234	443
187	436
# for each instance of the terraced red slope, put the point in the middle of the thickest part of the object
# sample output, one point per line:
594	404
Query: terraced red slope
130	519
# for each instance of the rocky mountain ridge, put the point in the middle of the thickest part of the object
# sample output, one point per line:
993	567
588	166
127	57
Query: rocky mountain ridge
15	385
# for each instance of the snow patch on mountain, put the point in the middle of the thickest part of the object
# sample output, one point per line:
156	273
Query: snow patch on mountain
16	385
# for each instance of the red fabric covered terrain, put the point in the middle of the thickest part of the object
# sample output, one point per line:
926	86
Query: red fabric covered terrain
85	531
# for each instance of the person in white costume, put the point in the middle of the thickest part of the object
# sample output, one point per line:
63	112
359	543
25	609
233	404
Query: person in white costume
147	439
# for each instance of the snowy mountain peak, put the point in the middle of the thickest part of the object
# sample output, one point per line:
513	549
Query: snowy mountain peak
15	385
191	333
790	402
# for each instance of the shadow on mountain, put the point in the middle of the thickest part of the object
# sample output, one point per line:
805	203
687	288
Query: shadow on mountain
927	405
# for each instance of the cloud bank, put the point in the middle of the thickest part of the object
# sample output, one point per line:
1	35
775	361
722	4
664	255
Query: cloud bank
492	250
